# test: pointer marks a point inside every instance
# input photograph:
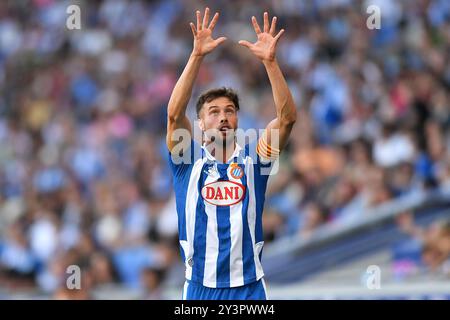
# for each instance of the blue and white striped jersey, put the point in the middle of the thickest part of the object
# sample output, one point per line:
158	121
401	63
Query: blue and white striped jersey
219	208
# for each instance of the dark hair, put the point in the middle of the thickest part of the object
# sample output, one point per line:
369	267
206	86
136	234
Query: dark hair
217	93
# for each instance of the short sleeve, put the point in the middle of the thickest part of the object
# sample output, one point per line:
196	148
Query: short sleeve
263	166
180	162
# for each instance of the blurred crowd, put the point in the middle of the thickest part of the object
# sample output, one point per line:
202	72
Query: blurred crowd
426	250
83	163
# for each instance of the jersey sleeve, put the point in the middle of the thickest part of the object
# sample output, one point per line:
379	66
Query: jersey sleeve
181	160
264	165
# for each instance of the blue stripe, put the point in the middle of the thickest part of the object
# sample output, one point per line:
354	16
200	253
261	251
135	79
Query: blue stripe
247	245
260	195
180	186
201	220
260	183
181	175
224	235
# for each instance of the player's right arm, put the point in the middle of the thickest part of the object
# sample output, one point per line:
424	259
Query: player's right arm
203	44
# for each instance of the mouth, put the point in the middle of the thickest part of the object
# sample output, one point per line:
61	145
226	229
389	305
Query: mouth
224	128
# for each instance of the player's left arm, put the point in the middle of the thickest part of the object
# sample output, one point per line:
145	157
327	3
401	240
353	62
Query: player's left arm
272	142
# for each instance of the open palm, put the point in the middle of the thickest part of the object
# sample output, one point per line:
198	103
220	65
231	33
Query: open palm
265	46
203	40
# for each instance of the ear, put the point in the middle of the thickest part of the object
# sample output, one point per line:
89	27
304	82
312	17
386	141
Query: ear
201	124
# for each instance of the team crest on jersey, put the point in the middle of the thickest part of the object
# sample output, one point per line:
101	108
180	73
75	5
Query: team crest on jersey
236	171
223	193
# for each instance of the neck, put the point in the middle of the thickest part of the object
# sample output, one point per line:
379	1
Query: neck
221	151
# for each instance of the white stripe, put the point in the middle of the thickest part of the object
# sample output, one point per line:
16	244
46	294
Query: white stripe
185	245
191	209
212	241
251	215
265	289
236	234
185	288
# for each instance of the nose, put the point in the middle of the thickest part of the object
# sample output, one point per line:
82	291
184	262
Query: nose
223	118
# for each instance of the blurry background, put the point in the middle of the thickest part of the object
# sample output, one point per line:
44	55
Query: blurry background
364	181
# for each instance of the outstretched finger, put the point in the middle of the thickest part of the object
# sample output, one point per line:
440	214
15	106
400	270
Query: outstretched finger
266	22
219	40
256	26
194	31
273	26
199	23
279	35
245	43
214	21
205	18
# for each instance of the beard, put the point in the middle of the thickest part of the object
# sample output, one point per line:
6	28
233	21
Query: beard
221	138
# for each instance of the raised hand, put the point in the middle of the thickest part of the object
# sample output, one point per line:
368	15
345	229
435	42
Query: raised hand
265	46
203	41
